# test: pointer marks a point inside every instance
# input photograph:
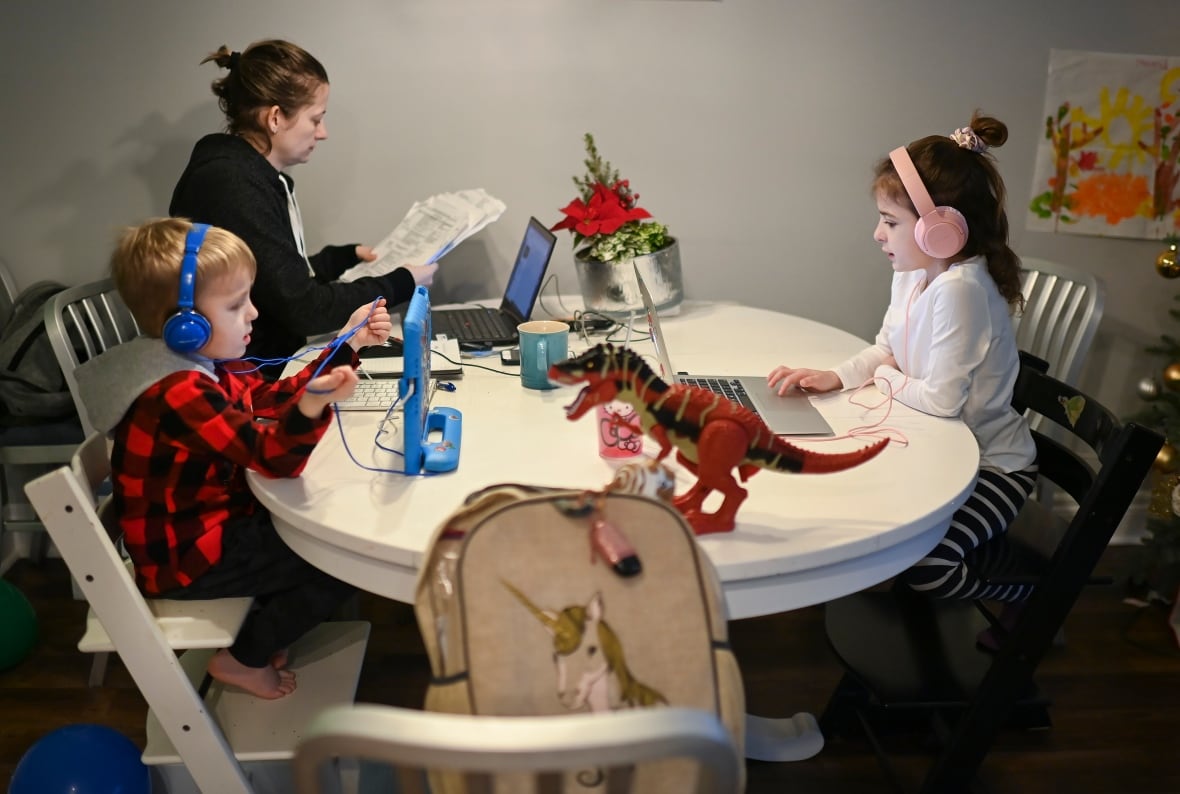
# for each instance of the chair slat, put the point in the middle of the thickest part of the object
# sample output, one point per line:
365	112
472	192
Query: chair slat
1063	307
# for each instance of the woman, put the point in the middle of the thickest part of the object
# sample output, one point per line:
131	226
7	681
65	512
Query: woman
274	100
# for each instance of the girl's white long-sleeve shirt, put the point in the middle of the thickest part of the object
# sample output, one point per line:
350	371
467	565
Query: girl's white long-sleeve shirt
956	353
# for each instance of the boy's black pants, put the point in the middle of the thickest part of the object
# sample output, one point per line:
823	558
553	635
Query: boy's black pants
291	596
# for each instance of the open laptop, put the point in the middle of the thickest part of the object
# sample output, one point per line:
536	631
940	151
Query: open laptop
481	325
789	415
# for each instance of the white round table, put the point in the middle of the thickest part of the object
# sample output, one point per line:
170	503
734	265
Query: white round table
800	539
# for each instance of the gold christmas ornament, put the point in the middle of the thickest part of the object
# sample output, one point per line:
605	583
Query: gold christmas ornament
1165	263
1162	496
1165	460
1172	376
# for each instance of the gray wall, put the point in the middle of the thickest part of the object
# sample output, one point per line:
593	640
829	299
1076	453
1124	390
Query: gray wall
748	126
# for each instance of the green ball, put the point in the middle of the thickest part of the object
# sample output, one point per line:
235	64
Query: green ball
18	626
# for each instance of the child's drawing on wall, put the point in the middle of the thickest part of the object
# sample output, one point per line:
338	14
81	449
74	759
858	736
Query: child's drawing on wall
1107	161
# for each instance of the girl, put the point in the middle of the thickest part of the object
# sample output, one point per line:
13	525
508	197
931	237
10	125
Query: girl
274	100
946	346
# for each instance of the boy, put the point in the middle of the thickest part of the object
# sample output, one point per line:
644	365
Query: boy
183	410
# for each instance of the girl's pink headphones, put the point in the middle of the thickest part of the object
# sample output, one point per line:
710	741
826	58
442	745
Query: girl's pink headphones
941	232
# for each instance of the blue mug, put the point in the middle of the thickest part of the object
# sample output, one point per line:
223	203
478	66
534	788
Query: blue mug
542	343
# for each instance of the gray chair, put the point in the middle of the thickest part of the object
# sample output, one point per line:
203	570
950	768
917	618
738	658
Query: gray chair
27	450
83	322
537	751
1062	309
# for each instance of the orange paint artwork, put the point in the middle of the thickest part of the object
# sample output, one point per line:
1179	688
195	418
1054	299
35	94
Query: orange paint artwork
1109	158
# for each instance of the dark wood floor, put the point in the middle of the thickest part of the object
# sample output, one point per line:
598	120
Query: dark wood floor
1116	687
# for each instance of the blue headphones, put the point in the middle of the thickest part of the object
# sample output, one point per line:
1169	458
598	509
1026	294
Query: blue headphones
188	330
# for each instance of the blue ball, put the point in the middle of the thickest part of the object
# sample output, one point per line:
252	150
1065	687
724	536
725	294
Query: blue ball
18	625
81	759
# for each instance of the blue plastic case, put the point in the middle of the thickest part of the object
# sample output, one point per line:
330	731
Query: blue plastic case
414	388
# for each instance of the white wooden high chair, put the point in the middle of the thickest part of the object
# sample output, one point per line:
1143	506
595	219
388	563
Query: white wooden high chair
206	735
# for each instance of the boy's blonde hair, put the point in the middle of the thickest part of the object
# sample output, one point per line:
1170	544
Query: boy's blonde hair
146	266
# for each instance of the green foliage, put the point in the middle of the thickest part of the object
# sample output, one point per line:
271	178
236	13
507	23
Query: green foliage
633	239
597	170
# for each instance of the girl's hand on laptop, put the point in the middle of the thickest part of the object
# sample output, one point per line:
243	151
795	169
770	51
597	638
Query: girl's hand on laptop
373	325
333	386
782	379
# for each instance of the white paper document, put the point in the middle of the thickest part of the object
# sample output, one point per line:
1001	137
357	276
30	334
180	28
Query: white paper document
430	230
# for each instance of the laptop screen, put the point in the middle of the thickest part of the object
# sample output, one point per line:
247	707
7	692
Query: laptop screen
657	333
529	270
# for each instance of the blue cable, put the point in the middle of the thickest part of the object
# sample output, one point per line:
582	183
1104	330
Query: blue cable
348	449
266	362
337	342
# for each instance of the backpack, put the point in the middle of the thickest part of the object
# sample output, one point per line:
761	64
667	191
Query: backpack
526	594
32	386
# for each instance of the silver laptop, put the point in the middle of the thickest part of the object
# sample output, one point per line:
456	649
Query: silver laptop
789	415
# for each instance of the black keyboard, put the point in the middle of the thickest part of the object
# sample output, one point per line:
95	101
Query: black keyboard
471	325
731	389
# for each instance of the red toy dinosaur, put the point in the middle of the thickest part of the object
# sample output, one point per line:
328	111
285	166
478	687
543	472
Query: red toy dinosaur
712	435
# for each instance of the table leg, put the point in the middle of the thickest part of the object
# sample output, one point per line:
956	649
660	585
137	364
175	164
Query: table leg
783	738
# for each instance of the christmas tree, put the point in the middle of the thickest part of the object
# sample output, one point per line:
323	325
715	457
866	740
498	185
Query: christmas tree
1162	412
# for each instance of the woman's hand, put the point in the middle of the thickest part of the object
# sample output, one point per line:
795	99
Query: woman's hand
375	325
333	386
365	253
781	379
423	274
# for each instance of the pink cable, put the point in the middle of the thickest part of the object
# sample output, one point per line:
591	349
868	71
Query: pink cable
876	430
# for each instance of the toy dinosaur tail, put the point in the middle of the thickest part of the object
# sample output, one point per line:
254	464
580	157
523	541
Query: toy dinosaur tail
788	457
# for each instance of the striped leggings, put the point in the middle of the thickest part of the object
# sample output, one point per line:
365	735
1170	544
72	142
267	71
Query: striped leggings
943	573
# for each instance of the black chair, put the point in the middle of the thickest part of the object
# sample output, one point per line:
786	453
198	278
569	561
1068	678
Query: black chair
912	662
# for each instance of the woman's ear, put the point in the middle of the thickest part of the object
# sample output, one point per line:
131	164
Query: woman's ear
271	117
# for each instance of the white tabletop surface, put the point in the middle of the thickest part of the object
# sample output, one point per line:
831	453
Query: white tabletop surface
800	539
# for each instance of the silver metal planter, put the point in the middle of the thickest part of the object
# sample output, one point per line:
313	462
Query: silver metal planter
611	289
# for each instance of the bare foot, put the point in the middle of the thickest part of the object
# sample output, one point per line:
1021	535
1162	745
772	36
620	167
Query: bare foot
264	682
280	658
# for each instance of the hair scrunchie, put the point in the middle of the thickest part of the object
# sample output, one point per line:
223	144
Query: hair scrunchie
235	58
967	139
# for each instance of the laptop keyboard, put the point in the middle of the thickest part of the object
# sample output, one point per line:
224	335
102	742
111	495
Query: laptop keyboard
731	389
375	394
471	325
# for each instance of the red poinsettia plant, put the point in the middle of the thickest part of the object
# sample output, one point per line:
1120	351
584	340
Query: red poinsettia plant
607	214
